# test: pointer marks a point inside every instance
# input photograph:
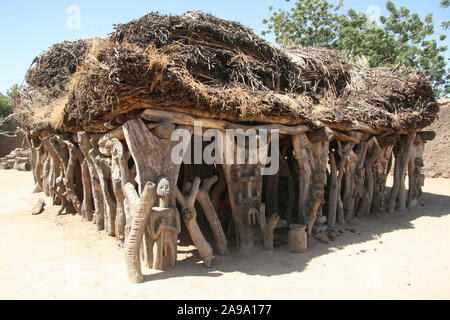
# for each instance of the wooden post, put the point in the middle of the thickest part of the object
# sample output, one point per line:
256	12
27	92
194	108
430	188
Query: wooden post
416	177
103	169
311	151
381	171
190	219
152	162
284	166
402	153
140	215
213	219
85	146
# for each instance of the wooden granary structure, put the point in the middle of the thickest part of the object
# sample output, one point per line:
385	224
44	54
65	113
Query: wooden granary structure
100	117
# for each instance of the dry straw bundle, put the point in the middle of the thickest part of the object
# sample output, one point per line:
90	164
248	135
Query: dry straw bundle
198	64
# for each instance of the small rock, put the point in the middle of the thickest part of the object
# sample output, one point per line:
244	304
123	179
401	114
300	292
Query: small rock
363	251
331	235
39	207
322	238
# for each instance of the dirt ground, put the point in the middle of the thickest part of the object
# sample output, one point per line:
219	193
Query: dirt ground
405	255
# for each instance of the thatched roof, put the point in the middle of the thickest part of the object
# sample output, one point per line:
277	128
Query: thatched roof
201	65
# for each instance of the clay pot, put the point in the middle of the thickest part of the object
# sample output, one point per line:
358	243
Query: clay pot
298	239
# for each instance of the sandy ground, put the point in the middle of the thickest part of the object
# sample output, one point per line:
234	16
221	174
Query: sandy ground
405	255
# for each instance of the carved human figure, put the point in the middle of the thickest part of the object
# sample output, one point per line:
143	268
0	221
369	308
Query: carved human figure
163	228
380	187
316	199
419	178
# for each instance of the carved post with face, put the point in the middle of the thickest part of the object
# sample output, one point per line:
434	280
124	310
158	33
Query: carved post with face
151	161
163	228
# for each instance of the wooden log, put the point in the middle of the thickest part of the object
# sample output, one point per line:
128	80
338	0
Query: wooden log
56	166
196	113
154	160
62	152
87	206
120	177
45	174
415	176
103	172
75	158
140	214
190	219
355	189
381	171
268	228
284	166
38	208
85	147
344	154
152	163
425	136
402	152
320	135
333	192
342	137
373	154
271	199
114	134
312	158
301	149
36	162
211	214
219	189
244	184
185	119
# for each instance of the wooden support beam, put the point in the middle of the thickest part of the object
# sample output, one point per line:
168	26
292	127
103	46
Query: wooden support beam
312	158
402	153
222	125
211	214
190	219
85	145
152	164
425	136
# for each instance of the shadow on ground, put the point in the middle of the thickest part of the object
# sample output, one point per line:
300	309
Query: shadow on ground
264	263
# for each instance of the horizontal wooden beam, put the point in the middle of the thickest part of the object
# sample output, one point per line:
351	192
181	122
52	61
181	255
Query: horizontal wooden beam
222	125
344	137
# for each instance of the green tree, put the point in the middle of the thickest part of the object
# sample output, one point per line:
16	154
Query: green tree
6	101
445	4
401	37
310	23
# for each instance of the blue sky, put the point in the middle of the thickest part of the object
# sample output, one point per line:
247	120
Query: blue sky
27	28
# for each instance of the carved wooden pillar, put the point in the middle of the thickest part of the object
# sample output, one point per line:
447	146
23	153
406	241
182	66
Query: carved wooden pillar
244	191
381	171
402	153
415	175
311	151
151	152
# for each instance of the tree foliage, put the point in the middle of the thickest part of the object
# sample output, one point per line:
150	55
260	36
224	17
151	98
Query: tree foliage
445	4
401	37
6	101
